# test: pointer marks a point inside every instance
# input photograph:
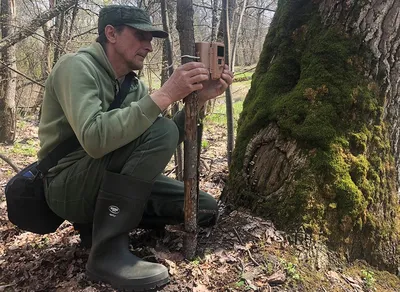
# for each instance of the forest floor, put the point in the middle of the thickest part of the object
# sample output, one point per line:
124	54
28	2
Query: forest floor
241	253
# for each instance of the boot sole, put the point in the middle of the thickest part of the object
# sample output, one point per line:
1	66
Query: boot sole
128	287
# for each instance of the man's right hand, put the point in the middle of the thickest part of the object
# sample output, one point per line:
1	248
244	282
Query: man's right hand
185	79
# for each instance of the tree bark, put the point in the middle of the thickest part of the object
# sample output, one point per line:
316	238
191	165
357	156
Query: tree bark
185	28
59	30
165	74
8	82
214	20
228	93
231	8
46	63
252	58
235	41
317	146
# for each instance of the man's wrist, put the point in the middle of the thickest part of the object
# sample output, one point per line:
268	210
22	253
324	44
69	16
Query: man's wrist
161	99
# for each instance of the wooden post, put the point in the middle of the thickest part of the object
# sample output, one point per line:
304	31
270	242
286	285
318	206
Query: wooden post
184	26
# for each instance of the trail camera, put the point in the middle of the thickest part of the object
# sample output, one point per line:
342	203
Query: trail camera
212	56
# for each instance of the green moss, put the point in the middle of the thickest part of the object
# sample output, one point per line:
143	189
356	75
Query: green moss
313	108
359	169
350	199
358	142
310	81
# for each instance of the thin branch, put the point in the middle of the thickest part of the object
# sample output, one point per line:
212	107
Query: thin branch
34	24
202	6
40	38
19	87
260	8
251	257
2	156
83	33
22	74
238	236
248	70
73	17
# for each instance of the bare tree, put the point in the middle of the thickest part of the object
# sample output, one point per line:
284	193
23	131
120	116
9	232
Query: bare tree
228	93
235	41
8	83
231	4
58	33
166	72
30	28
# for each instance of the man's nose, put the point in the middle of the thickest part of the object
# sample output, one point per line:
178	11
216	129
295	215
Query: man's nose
148	46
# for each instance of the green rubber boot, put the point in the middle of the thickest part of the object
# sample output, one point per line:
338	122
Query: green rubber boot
119	209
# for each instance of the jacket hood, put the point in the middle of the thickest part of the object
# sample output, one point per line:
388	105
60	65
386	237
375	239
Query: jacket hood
98	53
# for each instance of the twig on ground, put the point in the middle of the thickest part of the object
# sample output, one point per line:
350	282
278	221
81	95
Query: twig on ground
205	277
252	259
205	164
2	156
209	171
238	236
241	266
6	285
248	251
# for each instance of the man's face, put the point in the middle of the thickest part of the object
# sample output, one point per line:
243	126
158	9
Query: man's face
132	46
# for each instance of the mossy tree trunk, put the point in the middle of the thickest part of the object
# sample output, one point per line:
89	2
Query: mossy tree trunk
317	146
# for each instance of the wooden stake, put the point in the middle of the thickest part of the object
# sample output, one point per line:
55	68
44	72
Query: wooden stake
185	28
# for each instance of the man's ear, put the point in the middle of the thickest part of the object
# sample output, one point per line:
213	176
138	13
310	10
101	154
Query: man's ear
110	33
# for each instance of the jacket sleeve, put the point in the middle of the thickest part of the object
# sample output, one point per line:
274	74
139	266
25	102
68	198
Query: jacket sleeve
78	91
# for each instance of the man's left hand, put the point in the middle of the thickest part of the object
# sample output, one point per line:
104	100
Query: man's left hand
213	88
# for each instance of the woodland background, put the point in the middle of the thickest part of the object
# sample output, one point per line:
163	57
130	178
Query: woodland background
243	252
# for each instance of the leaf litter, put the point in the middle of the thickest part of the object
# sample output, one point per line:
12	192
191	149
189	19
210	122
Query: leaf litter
240	253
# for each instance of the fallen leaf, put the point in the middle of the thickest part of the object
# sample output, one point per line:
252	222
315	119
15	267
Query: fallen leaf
166	255
332	275
200	288
239	247
277	278
171	266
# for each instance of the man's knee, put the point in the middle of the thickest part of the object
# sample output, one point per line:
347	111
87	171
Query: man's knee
152	151
167	131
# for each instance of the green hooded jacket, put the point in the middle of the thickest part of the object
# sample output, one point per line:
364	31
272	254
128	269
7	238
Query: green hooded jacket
78	92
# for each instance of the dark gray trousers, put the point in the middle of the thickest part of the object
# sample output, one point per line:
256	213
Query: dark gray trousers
73	192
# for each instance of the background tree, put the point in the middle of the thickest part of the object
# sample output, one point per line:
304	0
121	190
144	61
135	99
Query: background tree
236	36
46	30
7	76
9	63
317	145
257	19
167	71
226	8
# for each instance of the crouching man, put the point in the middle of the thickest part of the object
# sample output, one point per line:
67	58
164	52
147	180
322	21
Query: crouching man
113	182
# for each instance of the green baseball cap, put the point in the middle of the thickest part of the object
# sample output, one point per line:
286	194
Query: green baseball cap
128	15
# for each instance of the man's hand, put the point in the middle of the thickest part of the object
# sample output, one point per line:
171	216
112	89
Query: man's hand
185	79
213	88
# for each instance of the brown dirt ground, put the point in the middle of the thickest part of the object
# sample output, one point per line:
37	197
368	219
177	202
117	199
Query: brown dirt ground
241	253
